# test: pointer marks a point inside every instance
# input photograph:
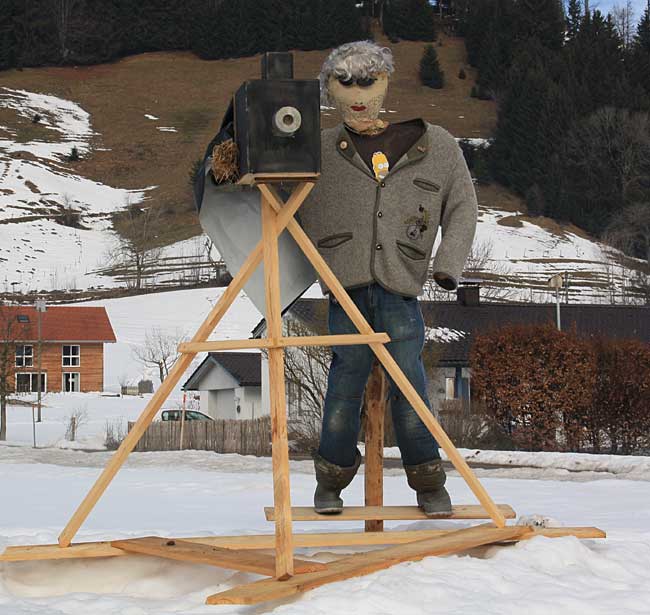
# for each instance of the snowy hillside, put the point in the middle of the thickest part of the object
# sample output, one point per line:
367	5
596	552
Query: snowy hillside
515	257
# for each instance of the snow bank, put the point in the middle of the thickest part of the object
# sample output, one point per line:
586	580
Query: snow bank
635	467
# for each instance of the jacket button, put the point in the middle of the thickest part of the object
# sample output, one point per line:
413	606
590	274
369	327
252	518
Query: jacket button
379	214
343	144
378	246
383	184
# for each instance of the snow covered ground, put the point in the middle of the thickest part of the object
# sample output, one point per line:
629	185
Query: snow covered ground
192	493
198	493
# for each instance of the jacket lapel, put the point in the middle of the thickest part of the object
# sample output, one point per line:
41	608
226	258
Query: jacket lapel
417	151
345	147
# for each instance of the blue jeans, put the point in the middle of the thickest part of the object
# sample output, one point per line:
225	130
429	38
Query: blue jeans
401	318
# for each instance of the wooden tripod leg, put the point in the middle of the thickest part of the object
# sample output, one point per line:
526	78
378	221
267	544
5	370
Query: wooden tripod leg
280	441
375	408
390	364
182	363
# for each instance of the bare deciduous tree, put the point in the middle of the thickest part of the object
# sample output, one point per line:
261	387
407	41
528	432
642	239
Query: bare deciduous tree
480	264
136	245
11	331
624	21
306	369
629	231
159	350
62	13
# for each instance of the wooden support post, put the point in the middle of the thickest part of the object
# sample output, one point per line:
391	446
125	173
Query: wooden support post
387	360
186	551
279	437
389	513
375	408
177	371
85	550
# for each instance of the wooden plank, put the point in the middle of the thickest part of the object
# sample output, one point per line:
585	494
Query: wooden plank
375	408
215	345
366	563
389	513
277	395
180	366
253	178
345	339
85	550
389	363
185	551
283	342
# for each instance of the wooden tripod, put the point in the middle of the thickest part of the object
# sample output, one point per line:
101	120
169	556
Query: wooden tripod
230	552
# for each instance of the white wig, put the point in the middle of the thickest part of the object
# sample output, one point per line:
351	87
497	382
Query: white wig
354	60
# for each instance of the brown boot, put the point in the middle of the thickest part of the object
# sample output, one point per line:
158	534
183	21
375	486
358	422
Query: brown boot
428	480
332	479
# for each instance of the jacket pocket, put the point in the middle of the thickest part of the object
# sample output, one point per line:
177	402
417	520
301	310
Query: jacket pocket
426	184
410	251
332	241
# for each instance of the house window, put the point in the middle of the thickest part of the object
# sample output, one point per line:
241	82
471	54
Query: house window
24	356
71	356
456	387
449	388
27	382
71	381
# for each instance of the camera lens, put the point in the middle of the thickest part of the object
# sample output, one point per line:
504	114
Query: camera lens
287	121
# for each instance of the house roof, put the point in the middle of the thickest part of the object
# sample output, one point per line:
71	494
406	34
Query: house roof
454	324
58	324
245	367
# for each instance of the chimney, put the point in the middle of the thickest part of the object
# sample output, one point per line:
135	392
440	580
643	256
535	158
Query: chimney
468	293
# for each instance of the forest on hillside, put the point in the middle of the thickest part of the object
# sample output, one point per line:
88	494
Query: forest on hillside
573	95
571	85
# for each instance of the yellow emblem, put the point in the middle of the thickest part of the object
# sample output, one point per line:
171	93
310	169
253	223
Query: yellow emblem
380	165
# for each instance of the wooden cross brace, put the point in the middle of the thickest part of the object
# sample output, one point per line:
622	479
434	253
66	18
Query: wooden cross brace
276	216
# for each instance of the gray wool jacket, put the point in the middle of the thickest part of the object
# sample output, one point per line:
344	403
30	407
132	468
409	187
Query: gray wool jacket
383	231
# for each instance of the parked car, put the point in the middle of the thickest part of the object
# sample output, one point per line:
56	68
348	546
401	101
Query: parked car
190	415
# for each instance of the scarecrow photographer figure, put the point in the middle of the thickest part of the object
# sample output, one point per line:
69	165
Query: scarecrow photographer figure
374	213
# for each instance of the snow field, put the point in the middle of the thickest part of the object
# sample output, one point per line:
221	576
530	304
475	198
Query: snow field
161	494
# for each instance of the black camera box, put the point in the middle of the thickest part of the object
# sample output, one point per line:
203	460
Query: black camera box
277	128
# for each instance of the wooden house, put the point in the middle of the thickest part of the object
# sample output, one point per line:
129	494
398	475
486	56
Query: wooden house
72	347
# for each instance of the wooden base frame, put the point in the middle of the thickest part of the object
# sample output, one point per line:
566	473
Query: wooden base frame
291	575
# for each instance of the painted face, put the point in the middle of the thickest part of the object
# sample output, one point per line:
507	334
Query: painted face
359	104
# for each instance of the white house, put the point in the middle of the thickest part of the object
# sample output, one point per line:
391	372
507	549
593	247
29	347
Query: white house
230	385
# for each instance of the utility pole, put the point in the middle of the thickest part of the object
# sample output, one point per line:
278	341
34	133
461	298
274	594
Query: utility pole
40	308
556	283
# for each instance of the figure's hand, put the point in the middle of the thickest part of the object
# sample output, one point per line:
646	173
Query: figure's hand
224	162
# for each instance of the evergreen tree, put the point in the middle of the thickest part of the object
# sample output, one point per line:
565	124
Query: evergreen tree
518	154
640	54
574	18
543	19
595	58
431	74
411	20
